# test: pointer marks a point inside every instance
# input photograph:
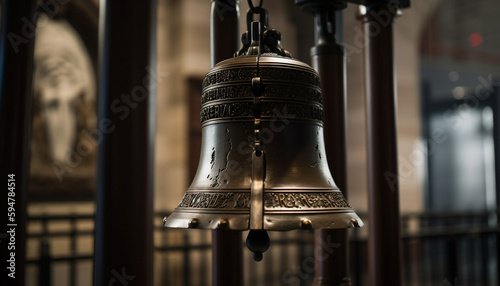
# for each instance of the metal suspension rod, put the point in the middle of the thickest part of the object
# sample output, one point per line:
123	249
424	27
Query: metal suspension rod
227	245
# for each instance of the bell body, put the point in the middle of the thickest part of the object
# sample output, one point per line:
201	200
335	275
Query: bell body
299	191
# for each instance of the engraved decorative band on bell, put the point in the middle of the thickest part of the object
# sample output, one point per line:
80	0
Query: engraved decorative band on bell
272	200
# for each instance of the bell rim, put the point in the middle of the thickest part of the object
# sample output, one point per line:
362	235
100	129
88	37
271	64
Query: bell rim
342	219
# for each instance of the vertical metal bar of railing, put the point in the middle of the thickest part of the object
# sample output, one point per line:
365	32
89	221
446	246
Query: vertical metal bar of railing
187	260
127	95
205	260
485	257
164	259
226	244
451	259
301	257
17	37
284	256
423	273
356	255
406	252
73	245
406	261
415	254
468	253
44	269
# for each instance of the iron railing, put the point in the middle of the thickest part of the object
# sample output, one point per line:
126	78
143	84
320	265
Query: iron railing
438	249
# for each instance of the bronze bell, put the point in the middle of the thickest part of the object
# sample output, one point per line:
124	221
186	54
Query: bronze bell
263	163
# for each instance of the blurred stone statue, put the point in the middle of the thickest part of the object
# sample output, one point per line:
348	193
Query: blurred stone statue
64	98
64	86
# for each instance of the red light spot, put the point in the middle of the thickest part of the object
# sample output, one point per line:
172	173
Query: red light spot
475	39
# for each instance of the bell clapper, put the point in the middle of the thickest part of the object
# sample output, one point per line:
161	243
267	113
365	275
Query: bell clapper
258	242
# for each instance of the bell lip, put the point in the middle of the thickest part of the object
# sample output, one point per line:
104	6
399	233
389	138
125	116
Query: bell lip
278	221
182	219
340	219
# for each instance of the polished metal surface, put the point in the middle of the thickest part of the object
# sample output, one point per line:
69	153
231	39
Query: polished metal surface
298	189
257	190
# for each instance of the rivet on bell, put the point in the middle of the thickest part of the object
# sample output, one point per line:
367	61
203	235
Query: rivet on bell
223	223
164	220
193	223
305	224
355	222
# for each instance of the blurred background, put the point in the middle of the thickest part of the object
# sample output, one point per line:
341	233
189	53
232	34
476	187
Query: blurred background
448	79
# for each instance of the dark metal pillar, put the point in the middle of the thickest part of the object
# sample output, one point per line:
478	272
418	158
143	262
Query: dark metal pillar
18	22
495	103
383	188
127	90
224	29
227	244
332	265
334	269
